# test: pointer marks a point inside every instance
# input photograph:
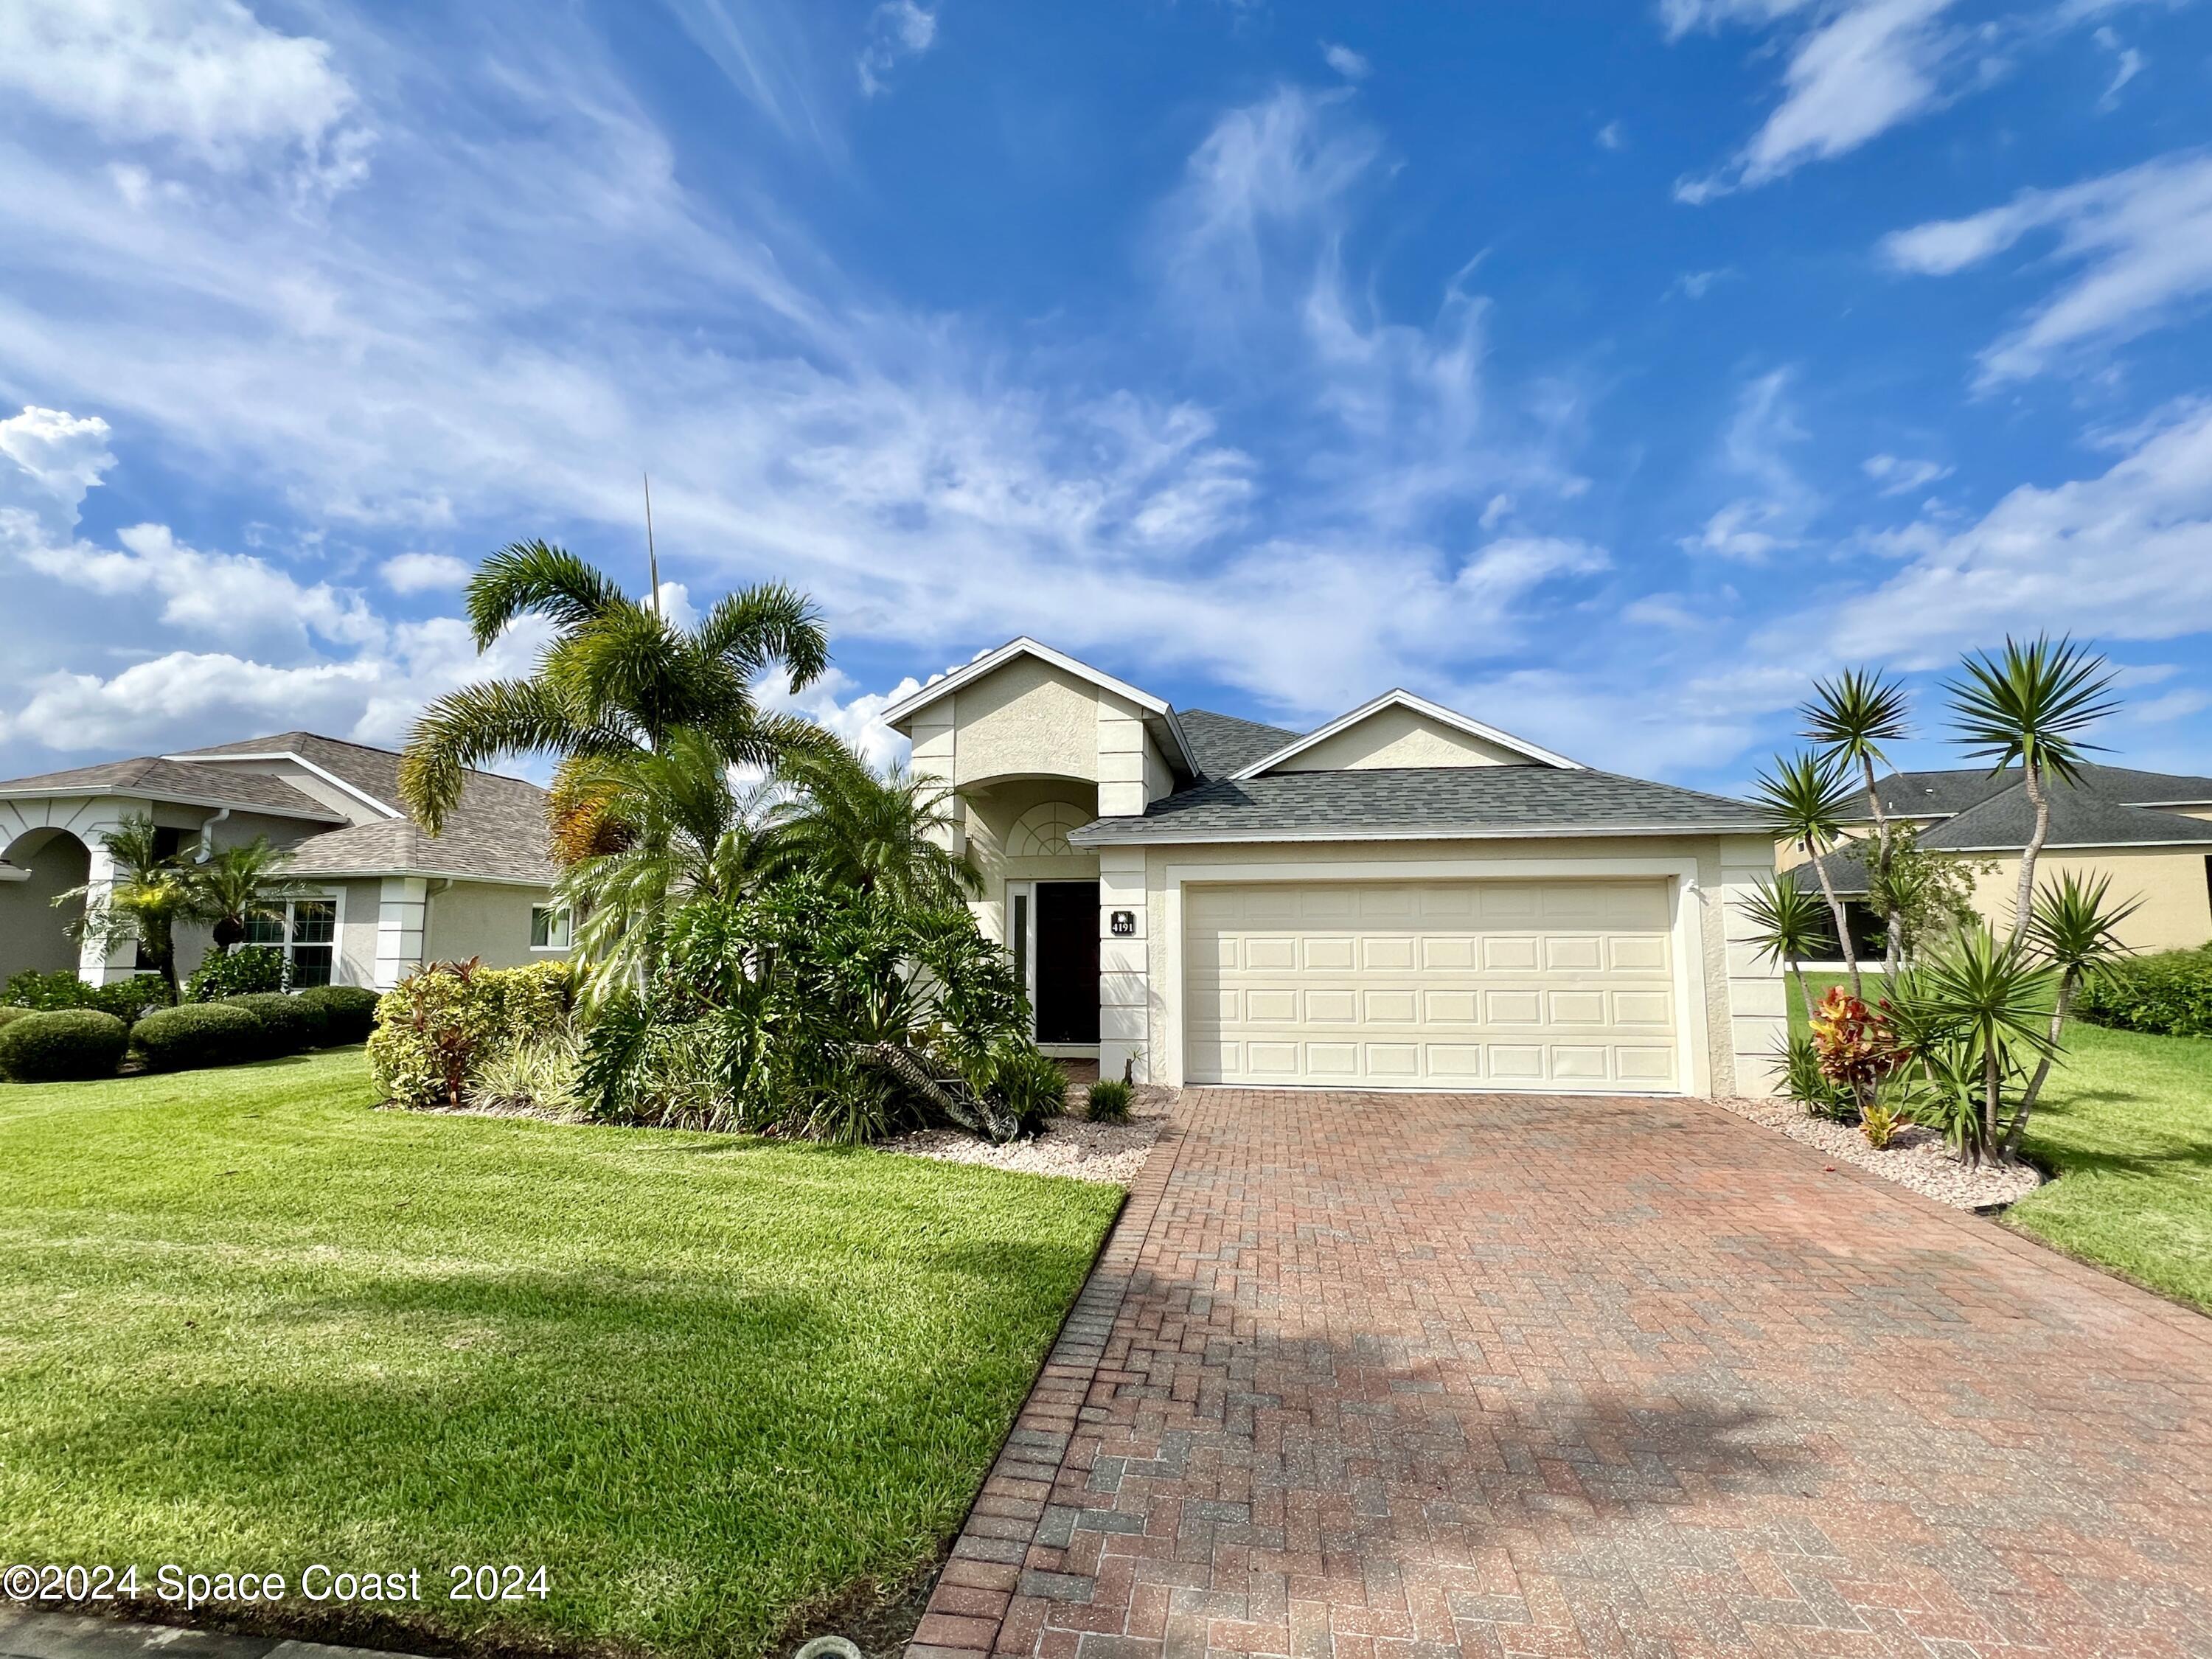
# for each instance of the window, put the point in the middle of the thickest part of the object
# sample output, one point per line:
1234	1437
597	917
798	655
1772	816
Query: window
549	927
306	932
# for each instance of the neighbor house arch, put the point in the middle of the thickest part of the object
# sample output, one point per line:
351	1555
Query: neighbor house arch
41	862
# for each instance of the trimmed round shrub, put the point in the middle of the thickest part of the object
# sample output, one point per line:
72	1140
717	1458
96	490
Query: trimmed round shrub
7	1015
62	1046
196	1034
348	1011
286	1027
248	968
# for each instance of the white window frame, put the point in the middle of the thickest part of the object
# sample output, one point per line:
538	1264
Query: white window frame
333	897
567	930
1024	953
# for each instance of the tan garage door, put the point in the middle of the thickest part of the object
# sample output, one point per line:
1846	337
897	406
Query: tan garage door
1549	985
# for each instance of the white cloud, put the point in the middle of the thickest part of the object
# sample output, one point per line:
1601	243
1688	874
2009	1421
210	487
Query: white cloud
1859	70
2140	239
1753	450
1897	475
203	75
425	573
1352	65
1680	16
1609	137
1696	284
897	29
2124	555
2127	63
837	701
48	462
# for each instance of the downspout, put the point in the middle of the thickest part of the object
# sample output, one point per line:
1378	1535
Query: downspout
207	837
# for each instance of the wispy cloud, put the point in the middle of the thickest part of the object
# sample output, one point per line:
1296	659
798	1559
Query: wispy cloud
1897	475
1855	73
1755	450
2141	241
1352	65
898	29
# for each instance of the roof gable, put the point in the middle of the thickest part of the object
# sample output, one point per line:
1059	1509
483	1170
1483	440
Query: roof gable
1158	716
1399	731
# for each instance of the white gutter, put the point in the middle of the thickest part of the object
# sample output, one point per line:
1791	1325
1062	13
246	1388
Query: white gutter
1519	832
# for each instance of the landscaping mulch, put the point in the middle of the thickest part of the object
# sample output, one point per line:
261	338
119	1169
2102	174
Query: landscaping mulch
1068	1146
1918	1158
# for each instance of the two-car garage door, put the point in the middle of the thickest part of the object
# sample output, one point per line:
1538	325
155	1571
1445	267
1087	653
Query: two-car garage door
1544	985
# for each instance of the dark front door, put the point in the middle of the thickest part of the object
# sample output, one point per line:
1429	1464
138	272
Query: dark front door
1067	960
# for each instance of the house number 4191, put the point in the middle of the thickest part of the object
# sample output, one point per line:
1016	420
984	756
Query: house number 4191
1125	924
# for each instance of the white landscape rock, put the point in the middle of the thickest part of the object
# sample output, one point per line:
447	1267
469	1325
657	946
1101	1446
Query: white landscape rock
1918	1158
1069	1146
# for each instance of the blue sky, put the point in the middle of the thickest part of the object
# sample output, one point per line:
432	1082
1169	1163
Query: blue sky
1606	371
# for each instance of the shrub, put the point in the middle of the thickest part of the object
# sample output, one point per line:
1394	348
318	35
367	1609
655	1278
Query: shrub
60	1045
348	1011
1030	1084
126	999
242	973
2169	995
536	1074
286	1027
193	1034
1880	1123
8	1015
1108	1101
440	1025
1811	1087
1856	1045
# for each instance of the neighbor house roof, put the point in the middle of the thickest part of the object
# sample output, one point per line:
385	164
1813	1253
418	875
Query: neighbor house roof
1946	793
1441	802
152	778
500	842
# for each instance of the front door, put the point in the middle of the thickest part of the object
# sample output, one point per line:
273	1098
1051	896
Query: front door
1067	962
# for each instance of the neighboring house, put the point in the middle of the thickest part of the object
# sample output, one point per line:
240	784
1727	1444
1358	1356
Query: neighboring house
2150	832
388	896
1405	897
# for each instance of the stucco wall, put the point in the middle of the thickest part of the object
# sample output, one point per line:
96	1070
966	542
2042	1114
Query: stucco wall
1398	736
1028	717
2176	913
1737	1000
355	963
483	920
31	931
992	814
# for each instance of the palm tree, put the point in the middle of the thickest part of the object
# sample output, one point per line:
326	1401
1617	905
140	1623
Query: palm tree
886	835
2031	703
673	829
617	677
1992	997
1851	717
1792	924
2074	928
1804	801
150	895
240	885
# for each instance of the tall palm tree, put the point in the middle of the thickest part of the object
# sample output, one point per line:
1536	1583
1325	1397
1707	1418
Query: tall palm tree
680	830
886	834
1792	924
1804	801
617	677
2031	703
2074	927
1851	717
148	898
240	885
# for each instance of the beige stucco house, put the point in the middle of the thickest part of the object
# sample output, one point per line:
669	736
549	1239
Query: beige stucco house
2149	832
1403	898
388	897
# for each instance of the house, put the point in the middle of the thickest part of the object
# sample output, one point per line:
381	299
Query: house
389	897
1403	897
2150	832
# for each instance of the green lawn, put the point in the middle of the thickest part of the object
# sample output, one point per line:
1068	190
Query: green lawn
248	1321
2127	1122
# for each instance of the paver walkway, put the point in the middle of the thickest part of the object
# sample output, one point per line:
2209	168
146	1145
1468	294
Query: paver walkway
1395	1377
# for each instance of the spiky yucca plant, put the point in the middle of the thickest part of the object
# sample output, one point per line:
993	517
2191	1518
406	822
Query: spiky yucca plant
1803	801
1852	717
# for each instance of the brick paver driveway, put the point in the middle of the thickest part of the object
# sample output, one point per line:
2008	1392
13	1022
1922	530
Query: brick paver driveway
1386	1378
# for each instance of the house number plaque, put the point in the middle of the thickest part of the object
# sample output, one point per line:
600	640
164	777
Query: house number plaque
1125	924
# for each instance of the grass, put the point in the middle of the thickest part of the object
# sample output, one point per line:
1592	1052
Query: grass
249	1322
2126	1121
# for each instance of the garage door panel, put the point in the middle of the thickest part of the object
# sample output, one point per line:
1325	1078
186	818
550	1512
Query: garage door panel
1497	984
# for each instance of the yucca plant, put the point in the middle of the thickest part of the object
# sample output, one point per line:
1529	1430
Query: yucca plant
1793	924
1804	801
1852	717
2074	927
2032	703
1983	1005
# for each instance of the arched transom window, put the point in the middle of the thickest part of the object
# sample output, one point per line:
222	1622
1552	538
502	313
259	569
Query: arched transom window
1041	832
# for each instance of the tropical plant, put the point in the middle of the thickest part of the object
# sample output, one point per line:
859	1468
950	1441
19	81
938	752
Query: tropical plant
240	885
674	829
1108	1101
1925	896
1974	1011
1851	717
1804	1081
888	834
1803	801
618	677
2031	703
1856	1044
2074	927
147	896
531	1074
1880	1121
1792	924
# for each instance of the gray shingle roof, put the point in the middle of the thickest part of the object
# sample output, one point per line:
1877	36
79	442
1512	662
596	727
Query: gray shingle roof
1222	745
2078	818
1433	801
501	840
1847	874
1941	794
174	781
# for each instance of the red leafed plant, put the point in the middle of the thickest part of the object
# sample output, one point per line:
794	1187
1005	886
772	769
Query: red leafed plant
1857	1045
